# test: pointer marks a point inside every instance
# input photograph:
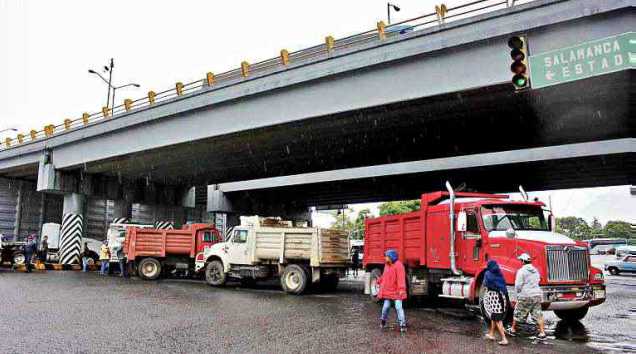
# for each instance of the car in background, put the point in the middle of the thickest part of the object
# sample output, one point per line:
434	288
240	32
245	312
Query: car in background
603	249
626	265
623	251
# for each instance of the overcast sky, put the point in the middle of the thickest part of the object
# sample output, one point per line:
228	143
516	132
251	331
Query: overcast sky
46	48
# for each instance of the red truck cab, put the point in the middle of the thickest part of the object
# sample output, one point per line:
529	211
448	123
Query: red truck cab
446	254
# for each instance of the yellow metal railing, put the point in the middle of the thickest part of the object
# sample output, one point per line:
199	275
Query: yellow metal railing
439	17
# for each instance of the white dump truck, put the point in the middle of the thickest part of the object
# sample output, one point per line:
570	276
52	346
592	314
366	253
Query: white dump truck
265	248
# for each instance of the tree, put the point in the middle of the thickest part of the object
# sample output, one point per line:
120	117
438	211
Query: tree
342	222
358	226
618	229
575	228
399	207
597	228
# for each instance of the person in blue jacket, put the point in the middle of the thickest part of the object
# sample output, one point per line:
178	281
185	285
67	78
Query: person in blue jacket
495	301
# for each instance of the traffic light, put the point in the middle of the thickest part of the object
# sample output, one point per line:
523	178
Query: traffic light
519	67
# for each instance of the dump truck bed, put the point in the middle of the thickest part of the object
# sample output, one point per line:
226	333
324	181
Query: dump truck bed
321	247
159	243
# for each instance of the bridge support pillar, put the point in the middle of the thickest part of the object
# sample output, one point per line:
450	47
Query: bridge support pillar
72	228
122	211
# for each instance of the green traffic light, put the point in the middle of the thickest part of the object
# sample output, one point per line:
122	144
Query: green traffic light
520	81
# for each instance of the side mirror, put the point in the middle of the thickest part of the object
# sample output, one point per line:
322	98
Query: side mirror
461	221
510	233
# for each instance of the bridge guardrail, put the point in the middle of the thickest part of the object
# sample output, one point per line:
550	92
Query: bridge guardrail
441	15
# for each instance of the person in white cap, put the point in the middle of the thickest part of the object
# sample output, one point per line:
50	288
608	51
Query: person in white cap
529	295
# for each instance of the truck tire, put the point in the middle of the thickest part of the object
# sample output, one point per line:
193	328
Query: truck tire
572	315
614	271
509	310
18	258
215	274
376	273
149	269
294	279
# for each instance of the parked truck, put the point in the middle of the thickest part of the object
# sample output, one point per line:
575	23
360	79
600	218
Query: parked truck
156	252
445	253
265	248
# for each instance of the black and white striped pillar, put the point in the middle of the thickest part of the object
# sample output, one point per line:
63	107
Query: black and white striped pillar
72	228
164	225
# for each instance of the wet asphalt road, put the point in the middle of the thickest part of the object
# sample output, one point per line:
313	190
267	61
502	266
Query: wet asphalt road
73	312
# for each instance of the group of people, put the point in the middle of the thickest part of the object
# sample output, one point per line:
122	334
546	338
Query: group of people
528	298
34	249
392	290
104	258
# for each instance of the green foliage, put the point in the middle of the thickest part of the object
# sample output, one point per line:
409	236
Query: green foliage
578	229
618	229
573	227
354	227
399	207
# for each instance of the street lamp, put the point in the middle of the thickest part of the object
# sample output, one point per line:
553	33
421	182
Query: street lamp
388	11
108	82
110	78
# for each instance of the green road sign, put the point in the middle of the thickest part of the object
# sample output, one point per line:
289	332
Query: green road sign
583	60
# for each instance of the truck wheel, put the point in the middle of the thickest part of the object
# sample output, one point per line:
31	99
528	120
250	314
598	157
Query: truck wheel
294	279
215	274
18	258
375	275
614	271
572	315
149	269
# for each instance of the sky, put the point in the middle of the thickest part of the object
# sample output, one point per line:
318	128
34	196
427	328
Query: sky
47	47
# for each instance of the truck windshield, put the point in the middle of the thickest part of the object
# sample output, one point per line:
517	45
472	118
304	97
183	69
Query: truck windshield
518	217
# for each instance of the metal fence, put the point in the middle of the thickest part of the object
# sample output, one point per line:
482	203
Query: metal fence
382	32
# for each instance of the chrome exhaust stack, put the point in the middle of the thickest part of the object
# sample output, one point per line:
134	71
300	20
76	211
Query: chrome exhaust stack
451	217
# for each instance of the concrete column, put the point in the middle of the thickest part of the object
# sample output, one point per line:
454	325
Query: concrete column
122	211
72	228
18	211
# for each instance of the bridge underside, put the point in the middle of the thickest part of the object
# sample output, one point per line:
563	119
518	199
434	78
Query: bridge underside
483	120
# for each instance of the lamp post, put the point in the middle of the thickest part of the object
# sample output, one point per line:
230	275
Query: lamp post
122	86
388	11
109	70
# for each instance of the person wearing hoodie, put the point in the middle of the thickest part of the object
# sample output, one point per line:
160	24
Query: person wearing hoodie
529	295
495	301
392	288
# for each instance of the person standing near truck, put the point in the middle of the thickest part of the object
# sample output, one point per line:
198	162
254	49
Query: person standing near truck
29	249
355	262
495	301
529	296
43	250
393	288
104	257
121	258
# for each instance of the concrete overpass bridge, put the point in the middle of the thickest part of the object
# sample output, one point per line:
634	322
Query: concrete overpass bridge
386	114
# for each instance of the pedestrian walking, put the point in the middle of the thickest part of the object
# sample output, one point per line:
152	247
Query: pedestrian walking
29	250
529	296
392	288
43	249
104	258
495	301
85	257
355	262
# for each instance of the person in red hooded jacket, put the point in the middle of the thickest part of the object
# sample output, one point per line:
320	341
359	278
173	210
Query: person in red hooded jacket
393	288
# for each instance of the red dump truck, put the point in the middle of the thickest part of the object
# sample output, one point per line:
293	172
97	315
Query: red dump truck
445	253
156	252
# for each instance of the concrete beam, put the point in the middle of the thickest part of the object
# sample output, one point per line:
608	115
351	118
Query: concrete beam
400	69
598	148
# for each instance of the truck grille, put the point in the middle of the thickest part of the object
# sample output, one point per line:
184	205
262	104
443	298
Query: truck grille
569	263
